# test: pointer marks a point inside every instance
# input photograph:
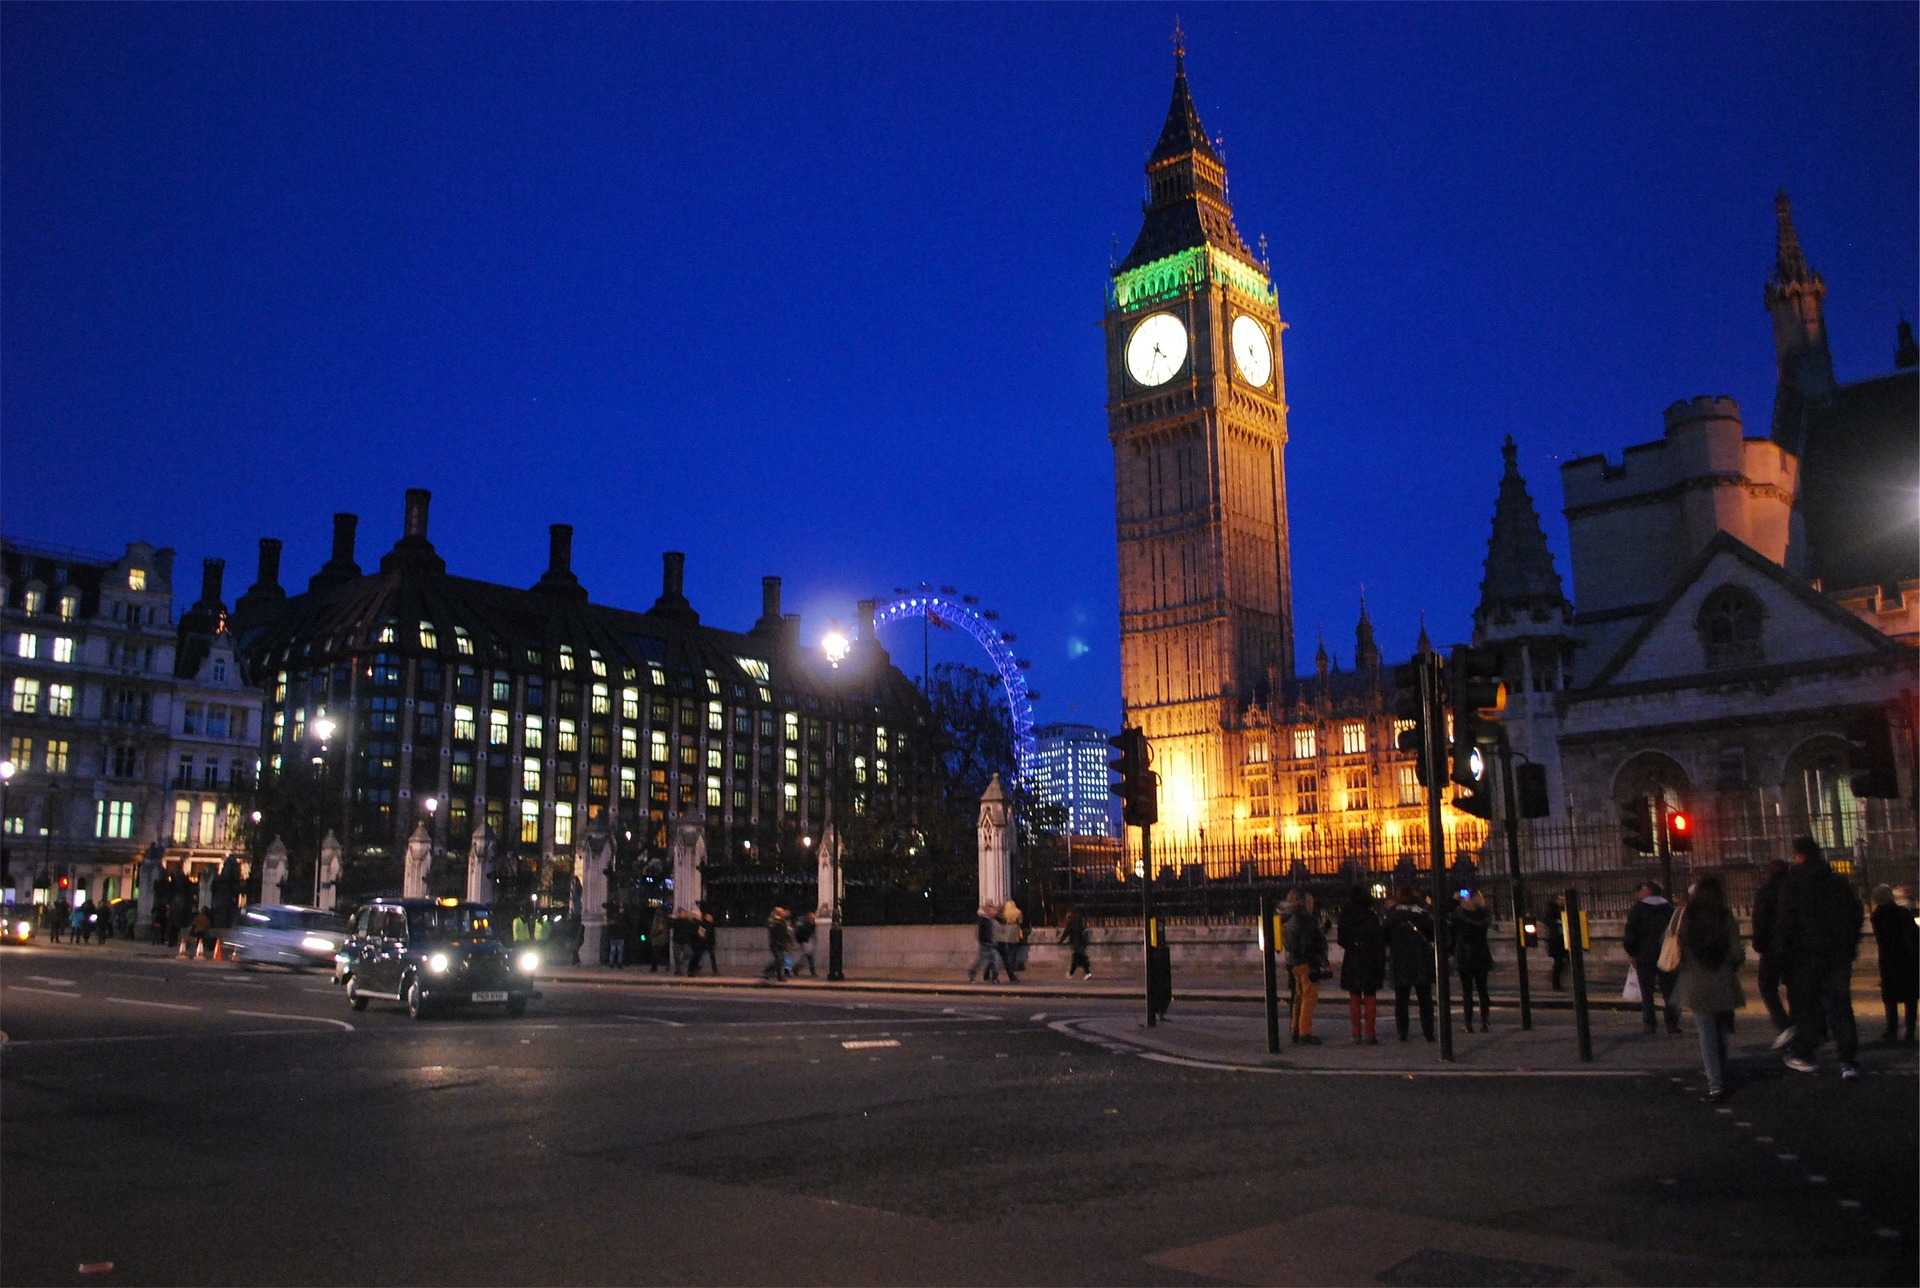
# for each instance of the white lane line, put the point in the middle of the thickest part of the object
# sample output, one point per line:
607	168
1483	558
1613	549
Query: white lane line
161	1006
763	1024
869	1044
279	1015
1036	1017
57	983
654	1019
46	992
125	974
329	991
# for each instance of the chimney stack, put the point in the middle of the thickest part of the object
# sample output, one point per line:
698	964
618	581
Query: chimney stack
673	571
416	513
269	571
211	573
770	598
163	568
559	549
343	526
863	620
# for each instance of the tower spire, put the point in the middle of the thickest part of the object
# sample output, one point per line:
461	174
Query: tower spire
1187	202
1520	592
1179	48
1795	298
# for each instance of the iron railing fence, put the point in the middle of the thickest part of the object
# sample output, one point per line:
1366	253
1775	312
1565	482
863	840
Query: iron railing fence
1221	884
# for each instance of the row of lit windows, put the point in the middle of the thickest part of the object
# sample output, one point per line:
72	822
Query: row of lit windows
59	648
55	753
26	697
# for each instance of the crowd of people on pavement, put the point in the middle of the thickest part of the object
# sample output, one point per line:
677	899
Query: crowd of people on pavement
1001	933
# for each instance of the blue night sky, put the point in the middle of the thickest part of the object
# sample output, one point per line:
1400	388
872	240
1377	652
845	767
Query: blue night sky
816	291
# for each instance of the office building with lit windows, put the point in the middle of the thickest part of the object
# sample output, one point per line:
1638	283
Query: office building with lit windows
1070	771
122	729
541	715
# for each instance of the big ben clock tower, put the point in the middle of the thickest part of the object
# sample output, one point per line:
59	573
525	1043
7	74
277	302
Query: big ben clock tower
1197	415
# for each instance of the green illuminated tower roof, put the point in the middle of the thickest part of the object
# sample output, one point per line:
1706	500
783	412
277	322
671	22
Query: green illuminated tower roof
1186	187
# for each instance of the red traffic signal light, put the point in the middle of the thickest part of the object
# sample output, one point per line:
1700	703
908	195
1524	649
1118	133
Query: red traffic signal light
1679	831
66	883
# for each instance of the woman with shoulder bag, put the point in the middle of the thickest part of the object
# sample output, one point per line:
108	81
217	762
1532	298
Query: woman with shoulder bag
1707	952
1363	970
1472	955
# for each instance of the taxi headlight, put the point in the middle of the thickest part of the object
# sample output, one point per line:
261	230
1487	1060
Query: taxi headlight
317	944
23	928
437	963
528	962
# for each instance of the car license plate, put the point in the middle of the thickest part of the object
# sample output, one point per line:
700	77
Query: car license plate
490	997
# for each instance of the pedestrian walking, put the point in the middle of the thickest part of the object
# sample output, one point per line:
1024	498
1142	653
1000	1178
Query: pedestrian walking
1557	940
1073	933
987	960
1766	915
1645	933
803	943
779	946
61	919
1306	946
706	942
1409	929
1473	954
1897	934
681	932
1006	938
77	921
522	931
1363	968
576	933
1708	981
617	940
1817	935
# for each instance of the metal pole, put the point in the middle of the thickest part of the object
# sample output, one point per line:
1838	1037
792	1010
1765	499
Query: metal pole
1435	721
1267	936
1573	928
1666	845
1510	819
1146	921
835	948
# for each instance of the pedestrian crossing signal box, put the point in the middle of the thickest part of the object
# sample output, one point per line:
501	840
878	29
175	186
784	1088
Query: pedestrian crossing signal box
1566	935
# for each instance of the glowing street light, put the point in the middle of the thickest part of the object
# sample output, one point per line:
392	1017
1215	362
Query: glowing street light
836	646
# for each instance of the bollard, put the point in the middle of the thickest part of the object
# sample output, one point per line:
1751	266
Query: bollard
1268	933
1573	929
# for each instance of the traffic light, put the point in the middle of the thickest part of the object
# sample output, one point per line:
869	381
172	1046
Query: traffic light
1408	707
1479	696
1871	739
1475	796
1636	825
1530	785
1138	788
1679	832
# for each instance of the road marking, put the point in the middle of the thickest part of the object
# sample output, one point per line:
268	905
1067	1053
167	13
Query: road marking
278	1015
654	1019
48	992
124	974
1036	1017
162	1006
57	983
864	1044
843	1022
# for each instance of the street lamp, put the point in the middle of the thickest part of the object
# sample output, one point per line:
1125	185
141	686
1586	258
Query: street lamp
836	647
7	770
323	728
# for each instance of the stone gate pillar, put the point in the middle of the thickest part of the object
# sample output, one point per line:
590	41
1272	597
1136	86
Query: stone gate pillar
273	872
595	857
996	845
419	862
480	866
689	851
329	896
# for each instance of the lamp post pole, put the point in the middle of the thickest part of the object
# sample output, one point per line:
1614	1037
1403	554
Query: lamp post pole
323	730
836	646
7	770
432	805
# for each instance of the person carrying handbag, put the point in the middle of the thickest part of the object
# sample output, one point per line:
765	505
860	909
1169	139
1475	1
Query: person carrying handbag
1644	939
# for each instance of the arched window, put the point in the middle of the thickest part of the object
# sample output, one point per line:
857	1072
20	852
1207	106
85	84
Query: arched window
1729	626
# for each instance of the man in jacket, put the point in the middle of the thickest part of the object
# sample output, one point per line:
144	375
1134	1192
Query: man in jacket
987	964
1410	947
1646	929
1816	934
1306	945
1766	914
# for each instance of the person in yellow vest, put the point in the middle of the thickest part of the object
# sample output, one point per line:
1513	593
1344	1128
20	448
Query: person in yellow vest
520	931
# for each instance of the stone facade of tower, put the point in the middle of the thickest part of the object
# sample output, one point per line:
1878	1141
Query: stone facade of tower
1197	416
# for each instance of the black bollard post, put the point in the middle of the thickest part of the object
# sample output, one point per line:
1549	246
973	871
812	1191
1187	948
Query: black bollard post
1268	932
1573	928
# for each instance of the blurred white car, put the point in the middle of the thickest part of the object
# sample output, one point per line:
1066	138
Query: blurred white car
285	935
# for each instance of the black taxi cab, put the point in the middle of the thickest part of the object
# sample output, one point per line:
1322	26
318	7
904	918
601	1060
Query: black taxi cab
431	956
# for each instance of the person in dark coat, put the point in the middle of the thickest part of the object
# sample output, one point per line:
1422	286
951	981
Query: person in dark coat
1817	935
1557	939
1364	968
1472	954
1646	929
62	915
1898	936
803	930
987	963
1073	933
680	935
1766	913
779	946
1409	929
1306	946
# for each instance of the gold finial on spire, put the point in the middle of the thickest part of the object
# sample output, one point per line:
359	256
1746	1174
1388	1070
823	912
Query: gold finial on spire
1179	46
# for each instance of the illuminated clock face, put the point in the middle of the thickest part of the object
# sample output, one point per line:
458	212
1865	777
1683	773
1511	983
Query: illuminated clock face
1157	349
1251	352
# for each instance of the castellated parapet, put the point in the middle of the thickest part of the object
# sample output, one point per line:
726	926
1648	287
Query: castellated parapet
1634	526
